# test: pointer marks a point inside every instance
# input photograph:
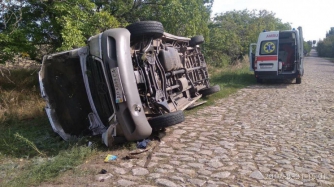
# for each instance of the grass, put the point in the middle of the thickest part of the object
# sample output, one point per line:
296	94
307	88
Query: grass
330	59
31	153
230	79
28	144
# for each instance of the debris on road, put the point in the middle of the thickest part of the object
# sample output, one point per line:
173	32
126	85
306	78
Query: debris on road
110	158
143	144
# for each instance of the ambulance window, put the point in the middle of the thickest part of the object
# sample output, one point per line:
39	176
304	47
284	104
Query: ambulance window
268	47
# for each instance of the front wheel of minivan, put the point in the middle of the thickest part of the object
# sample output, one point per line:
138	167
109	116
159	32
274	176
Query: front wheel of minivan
298	80
166	120
196	40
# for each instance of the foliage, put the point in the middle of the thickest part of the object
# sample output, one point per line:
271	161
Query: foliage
325	47
232	32
40	27
179	17
48	26
231	78
314	42
307	46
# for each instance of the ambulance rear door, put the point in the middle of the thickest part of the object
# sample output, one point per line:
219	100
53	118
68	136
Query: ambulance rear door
267	52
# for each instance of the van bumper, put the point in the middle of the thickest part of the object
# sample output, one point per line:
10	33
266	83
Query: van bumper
275	75
130	113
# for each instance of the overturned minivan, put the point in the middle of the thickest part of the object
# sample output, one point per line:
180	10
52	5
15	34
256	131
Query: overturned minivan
278	55
125	83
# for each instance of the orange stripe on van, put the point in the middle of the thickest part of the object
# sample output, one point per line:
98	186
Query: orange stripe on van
266	58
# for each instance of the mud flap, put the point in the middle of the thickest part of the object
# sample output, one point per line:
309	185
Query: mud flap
108	136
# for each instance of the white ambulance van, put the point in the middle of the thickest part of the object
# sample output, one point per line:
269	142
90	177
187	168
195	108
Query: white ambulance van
278	55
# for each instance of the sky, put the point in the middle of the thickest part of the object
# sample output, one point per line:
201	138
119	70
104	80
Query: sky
315	17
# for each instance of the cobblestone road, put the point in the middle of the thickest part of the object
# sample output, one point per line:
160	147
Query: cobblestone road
271	134
265	135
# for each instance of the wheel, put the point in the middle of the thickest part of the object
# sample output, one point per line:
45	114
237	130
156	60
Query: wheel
258	80
209	91
196	40
150	29
166	120
298	80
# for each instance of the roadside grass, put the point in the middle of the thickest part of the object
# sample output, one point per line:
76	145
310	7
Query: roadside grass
330	59
230	79
31	153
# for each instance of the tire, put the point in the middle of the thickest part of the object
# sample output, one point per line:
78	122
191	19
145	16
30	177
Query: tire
298	80
259	80
148	29
209	91
166	120
196	40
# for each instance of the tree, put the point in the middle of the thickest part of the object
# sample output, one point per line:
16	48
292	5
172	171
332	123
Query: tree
325	48
232	32
307	46
179	17
39	27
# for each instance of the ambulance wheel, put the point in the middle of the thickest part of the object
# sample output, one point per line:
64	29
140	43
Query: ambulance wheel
258	80
298	80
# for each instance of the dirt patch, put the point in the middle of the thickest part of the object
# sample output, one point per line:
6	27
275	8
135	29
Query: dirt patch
90	172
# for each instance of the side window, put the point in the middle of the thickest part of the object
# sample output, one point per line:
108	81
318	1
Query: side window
269	47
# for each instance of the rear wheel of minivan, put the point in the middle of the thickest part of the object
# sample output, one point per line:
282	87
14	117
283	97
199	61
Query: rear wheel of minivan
146	29
166	120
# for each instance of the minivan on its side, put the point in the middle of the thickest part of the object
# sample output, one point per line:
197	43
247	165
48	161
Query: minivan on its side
126	83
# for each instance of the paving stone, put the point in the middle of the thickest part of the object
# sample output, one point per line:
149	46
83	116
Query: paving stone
140	171
256	175
179	132
215	164
154	175
166	183
197	182
186	171
224	174
204	172
206	152
196	165
176	178
121	171
125	183
295	182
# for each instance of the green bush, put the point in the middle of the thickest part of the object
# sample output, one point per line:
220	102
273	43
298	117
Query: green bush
325	48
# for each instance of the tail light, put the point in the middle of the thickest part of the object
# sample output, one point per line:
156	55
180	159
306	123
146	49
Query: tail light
255	63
